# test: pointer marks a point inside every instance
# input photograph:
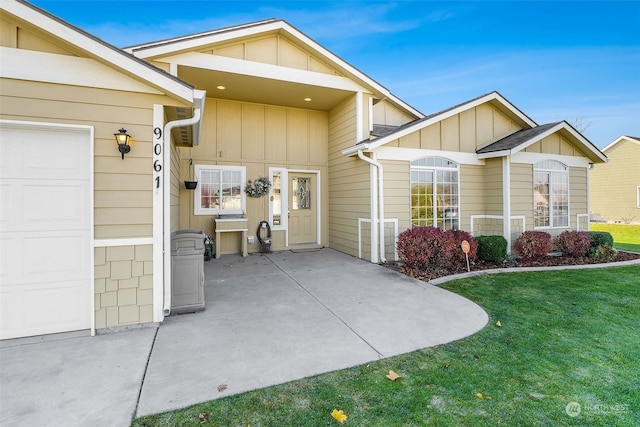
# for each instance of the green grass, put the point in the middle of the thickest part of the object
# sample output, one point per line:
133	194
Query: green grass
566	336
625	237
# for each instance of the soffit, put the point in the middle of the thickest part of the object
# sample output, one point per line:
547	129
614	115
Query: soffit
240	87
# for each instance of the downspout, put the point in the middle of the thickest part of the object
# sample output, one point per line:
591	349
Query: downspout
506	199
197	113
380	218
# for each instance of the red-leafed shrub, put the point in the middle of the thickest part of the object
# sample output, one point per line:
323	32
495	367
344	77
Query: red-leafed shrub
457	257
431	249
533	244
573	243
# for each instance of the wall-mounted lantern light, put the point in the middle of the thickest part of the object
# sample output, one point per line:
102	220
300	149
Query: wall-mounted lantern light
123	139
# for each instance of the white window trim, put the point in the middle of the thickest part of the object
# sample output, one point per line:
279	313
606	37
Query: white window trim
284	198
638	196
197	210
434	169
551	171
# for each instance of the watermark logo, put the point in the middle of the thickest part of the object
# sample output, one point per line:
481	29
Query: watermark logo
572	409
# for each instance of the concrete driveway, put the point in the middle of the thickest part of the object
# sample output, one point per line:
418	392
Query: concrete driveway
269	319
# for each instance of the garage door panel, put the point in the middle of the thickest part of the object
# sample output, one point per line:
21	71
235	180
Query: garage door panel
45	229
55	205
36	310
45	153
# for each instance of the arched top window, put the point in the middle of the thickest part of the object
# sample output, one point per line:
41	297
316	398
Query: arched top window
550	165
435	184
550	194
434	162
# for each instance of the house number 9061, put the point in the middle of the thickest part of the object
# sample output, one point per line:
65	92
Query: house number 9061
157	151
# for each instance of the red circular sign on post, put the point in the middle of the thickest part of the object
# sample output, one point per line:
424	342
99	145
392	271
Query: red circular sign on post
465	246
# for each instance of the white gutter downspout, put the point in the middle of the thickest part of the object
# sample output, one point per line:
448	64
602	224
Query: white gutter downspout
197	114
380	219
506	199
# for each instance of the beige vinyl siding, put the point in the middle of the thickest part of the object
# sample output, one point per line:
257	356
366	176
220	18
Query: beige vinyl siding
397	192
522	191
578	198
614	185
274	50
472	194
118	213
257	137
349	183
493	186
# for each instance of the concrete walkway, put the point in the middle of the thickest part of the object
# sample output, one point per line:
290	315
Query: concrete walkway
269	319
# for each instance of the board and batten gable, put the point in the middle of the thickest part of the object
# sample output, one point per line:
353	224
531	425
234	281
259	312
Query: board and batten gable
273	49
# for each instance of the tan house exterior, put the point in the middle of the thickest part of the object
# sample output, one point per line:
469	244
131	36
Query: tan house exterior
615	186
351	165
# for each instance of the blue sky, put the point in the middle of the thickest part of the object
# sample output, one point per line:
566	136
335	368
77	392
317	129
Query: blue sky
572	60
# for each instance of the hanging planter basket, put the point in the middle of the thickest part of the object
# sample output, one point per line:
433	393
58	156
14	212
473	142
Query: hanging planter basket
191	185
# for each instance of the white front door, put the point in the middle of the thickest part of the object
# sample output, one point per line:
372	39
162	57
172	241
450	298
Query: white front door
45	229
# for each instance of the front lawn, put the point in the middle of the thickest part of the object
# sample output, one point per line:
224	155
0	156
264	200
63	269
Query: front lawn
565	337
625	237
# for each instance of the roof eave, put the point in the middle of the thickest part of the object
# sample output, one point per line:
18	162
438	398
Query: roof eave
99	49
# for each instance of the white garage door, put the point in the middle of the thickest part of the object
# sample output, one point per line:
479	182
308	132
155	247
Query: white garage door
45	229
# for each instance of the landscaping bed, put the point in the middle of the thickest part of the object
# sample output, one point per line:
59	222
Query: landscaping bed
546	261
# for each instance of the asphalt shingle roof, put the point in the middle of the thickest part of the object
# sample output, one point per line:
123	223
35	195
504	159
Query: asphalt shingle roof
516	139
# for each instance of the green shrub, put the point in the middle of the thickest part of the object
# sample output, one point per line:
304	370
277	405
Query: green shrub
533	244
599	238
573	243
492	248
605	253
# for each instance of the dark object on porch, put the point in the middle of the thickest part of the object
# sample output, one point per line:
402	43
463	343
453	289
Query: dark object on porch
265	242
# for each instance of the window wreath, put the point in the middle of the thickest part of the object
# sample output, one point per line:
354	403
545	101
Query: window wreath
258	188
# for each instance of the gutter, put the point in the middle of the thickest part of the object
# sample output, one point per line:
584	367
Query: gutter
198	102
380	219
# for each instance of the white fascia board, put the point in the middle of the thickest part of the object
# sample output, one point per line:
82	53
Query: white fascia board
258	69
449	113
585	142
411	154
533	158
618	141
22	64
106	53
196	41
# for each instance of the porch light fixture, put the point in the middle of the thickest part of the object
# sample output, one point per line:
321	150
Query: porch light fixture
307	99
123	139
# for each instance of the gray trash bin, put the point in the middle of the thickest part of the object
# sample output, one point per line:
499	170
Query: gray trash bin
187	271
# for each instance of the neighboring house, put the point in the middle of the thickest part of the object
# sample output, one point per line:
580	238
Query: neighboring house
351	164
615	186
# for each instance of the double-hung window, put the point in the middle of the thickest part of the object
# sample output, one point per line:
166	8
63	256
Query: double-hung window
220	190
435	193
550	194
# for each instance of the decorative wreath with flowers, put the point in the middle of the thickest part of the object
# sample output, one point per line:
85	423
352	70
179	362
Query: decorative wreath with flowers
258	188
